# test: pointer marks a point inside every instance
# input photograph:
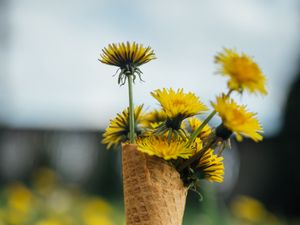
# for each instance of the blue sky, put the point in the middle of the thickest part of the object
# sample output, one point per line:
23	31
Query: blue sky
55	80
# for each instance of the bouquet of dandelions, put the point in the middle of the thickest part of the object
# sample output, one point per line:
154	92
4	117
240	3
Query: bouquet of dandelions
167	151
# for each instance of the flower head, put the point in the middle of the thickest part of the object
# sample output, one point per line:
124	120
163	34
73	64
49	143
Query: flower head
118	129
177	104
244	73
237	119
211	166
128	57
161	146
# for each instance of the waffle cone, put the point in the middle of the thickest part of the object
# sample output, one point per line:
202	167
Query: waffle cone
153	191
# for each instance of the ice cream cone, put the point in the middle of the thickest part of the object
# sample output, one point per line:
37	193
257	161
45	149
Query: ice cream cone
153	191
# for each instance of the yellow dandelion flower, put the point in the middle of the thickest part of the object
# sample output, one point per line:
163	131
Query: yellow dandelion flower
211	166
161	146
118	129
244	73
128	57
177	104
237	119
194	123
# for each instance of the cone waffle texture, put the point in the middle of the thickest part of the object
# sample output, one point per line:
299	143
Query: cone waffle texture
153	191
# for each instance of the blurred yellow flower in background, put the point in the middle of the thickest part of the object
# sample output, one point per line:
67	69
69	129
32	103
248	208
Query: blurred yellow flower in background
20	204
161	146
20	198
118	129
44	180
248	210
59	205
244	73
95	212
237	119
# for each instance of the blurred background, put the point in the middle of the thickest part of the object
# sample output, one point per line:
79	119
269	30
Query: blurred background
56	100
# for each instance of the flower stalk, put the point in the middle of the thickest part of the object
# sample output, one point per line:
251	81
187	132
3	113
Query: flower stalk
205	122
131	111
199	129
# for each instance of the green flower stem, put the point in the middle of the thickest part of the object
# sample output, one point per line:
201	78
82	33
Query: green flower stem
131	112
199	129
